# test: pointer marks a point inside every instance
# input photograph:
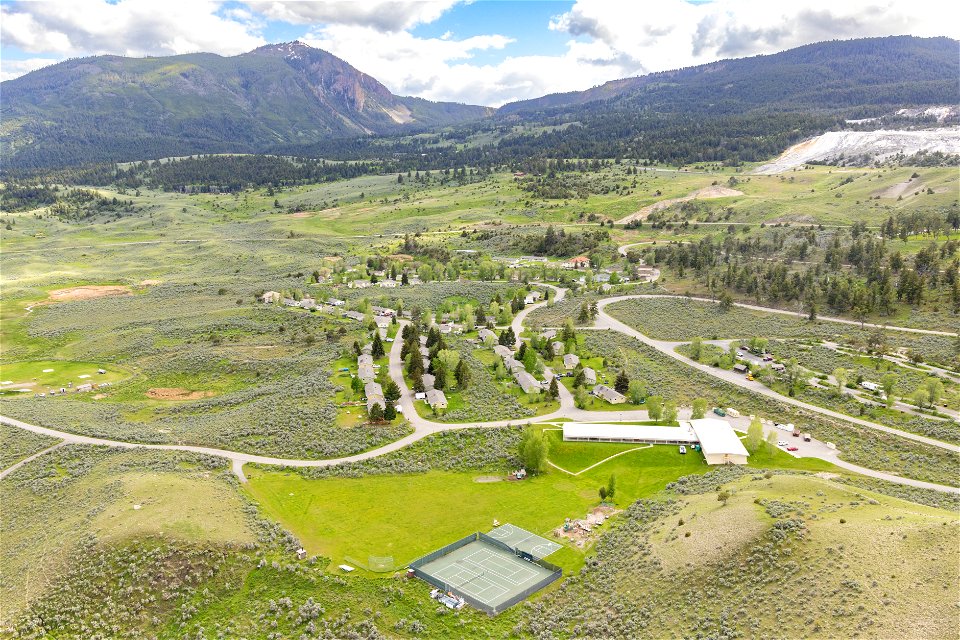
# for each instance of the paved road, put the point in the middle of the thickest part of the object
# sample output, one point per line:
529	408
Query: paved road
422	427
605	321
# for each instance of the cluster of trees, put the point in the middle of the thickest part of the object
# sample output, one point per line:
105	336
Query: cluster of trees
448	368
861	276
560	243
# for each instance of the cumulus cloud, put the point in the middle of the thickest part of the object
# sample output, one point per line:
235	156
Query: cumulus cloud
127	27
676	33
608	39
381	15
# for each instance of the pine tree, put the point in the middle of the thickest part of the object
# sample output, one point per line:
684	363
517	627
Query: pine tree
622	383
378	351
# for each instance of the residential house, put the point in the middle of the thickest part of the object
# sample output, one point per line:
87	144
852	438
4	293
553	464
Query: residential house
589	375
383	311
547	334
579	262
360	284
571	360
366	373
335	302
527	382
602	277
424	351
557	348
383	322
486	334
388	284
270	297
610	395
373	389
533	297
436	399
365	358
354	315
503	351
375	399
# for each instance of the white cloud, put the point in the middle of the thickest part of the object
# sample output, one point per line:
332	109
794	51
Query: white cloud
382	15
675	33
10	69
609	39
129	27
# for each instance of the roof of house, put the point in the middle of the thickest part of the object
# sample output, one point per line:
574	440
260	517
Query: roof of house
589	373
526	381
428	380
365	358
503	351
571	359
607	393
485	333
436	396
717	436
372	389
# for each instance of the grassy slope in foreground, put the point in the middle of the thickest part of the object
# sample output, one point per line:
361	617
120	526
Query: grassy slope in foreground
408	515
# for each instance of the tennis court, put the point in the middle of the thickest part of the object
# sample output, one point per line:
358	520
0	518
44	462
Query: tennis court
487	575
524	541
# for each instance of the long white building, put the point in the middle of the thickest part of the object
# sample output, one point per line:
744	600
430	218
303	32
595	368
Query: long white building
717	439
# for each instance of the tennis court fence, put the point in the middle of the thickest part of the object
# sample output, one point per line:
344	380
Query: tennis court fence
415	566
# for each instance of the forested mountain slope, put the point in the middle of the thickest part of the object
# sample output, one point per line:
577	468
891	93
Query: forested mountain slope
116	108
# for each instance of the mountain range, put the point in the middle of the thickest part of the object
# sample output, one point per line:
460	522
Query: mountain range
290	95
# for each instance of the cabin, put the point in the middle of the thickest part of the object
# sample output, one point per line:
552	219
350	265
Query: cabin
589	375
527	382
436	399
610	395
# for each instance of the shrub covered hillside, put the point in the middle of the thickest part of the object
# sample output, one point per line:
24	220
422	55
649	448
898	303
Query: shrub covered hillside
763	556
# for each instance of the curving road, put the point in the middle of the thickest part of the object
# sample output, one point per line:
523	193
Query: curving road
423	427
606	321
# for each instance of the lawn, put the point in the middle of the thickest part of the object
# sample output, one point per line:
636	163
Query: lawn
406	516
43	375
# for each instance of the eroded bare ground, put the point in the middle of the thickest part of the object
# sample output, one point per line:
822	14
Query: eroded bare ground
702	194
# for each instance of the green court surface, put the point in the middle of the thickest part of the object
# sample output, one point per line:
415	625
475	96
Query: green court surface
524	541
487	574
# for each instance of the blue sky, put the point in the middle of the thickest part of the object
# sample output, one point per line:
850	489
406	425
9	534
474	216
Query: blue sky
481	52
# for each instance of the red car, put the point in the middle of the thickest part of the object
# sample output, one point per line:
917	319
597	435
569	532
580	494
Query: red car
793	448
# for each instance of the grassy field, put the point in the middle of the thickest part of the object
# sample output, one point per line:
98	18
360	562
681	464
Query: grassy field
407	515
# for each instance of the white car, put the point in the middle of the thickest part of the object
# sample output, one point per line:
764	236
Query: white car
683	449
781	444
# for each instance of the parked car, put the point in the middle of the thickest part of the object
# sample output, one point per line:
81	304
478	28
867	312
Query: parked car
781	444
719	411
750	377
793	448
767	358
683	449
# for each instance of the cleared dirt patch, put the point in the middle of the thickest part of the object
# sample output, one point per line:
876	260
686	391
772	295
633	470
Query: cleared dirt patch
486	479
176	393
149	283
706	193
87	292
301	214
901	188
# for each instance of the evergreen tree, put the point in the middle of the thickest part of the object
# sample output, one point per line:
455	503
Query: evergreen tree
378	351
622	383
